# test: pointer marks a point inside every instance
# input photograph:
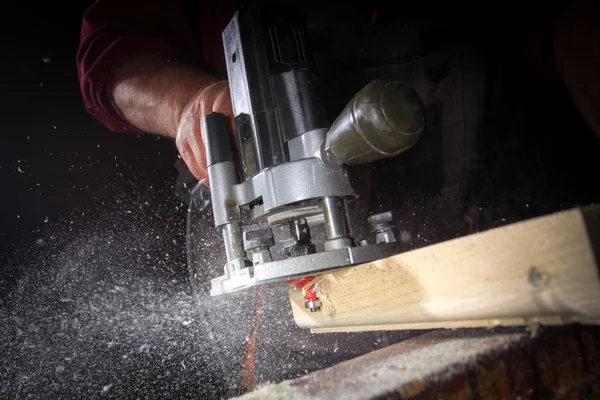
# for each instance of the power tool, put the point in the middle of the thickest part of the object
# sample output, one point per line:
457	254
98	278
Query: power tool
286	178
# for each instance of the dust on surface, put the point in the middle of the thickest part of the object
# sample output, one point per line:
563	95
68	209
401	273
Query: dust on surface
356	381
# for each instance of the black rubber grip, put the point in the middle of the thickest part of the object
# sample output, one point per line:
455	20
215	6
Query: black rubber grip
217	140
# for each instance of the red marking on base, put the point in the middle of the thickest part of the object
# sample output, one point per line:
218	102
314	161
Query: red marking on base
300	283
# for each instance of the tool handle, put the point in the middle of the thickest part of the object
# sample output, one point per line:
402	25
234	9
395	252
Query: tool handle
218	144
382	120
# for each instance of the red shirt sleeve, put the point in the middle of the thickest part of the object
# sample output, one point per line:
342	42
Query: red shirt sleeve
111	31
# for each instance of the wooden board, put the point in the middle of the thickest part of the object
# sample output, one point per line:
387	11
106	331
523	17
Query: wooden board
532	323
560	363
541	270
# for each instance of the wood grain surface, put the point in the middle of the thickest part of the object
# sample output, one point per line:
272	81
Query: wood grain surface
539	271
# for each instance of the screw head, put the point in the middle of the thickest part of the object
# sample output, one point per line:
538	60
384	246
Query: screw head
383	222
380	218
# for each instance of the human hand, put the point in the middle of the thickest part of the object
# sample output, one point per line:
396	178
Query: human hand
189	139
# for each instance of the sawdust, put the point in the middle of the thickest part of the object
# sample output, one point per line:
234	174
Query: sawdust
331	293
390	375
327	307
101	306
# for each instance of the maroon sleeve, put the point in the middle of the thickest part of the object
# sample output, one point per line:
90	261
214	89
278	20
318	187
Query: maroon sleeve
113	30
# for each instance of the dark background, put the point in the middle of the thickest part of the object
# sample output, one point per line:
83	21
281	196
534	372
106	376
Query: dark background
67	158
94	299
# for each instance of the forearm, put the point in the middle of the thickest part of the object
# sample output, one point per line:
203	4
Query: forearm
151	92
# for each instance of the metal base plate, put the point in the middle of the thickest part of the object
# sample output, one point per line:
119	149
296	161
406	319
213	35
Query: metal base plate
301	266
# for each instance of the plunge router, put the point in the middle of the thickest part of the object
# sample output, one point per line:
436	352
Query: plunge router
289	174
